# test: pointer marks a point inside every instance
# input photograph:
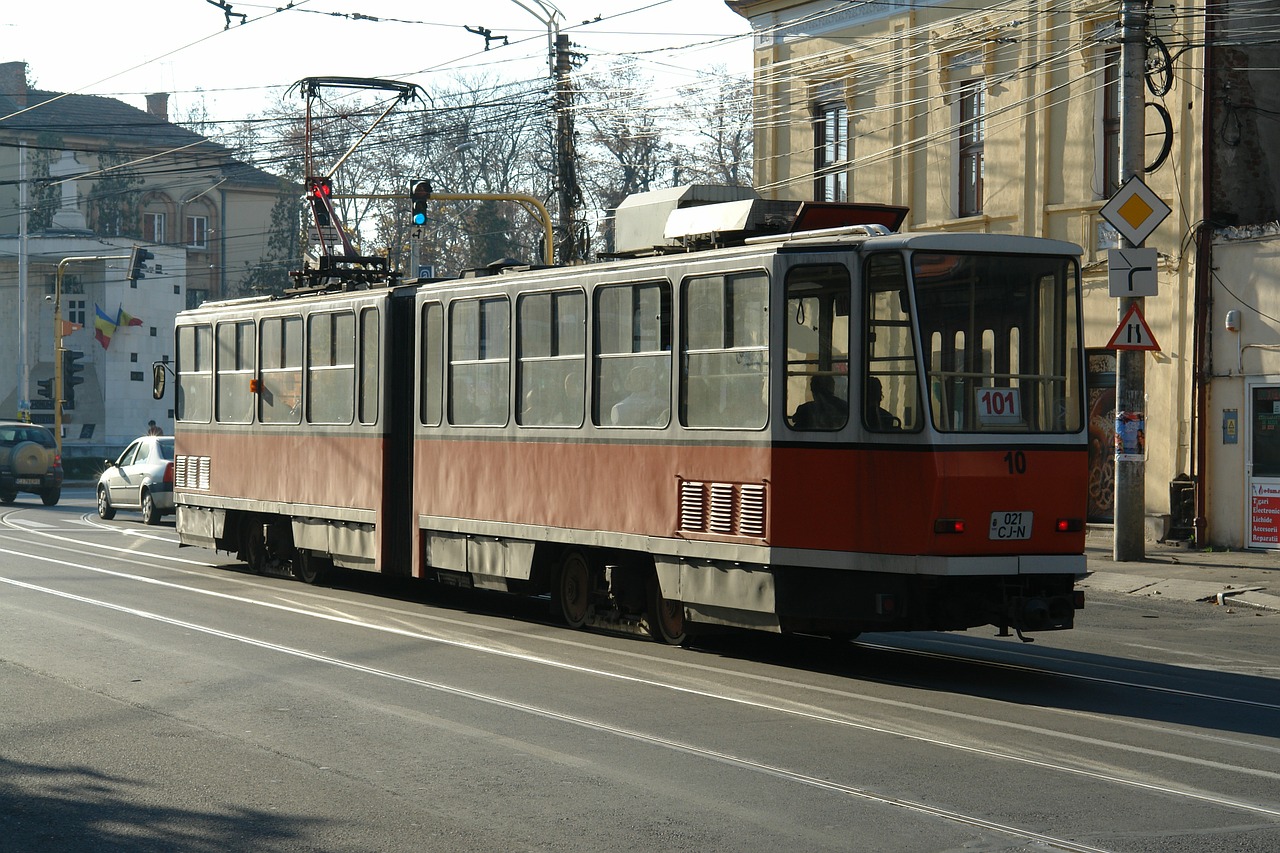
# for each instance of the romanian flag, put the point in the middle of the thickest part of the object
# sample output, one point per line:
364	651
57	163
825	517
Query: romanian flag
124	318
104	326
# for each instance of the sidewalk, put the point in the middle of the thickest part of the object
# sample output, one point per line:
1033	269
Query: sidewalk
1181	572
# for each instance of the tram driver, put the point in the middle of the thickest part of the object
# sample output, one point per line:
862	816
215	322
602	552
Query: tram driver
878	419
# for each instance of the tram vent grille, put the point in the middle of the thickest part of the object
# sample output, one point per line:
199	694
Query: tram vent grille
721	515
693	506
191	472
751	509
727	509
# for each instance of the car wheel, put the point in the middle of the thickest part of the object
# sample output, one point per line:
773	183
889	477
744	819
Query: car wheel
51	495
105	510
150	515
8	497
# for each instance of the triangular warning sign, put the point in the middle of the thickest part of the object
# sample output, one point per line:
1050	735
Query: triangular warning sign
1133	332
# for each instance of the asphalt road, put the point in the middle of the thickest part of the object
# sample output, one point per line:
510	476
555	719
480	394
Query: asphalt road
156	698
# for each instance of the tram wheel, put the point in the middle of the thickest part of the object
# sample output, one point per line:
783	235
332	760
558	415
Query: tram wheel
573	589
310	567
666	617
253	545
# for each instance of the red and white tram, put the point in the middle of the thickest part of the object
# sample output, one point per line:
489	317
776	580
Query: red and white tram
824	432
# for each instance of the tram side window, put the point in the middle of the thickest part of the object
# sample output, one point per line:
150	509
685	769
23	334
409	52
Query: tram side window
235	371
632	355
280	375
551	335
331	367
431	365
479	361
369	351
890	387
817	335
725	364
195	374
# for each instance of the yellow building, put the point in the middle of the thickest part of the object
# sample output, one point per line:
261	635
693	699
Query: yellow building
1004	118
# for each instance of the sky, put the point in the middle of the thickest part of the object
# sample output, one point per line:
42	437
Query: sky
129	48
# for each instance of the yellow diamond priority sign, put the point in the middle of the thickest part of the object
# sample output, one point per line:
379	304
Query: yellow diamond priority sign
1135	211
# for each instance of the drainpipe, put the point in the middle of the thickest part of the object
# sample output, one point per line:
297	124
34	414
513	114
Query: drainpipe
1202	350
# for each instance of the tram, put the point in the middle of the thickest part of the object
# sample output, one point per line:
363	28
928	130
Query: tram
819	430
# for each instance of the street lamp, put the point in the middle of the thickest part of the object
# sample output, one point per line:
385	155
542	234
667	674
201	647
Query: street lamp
562	129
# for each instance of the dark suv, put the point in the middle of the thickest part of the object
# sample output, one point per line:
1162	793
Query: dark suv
29	462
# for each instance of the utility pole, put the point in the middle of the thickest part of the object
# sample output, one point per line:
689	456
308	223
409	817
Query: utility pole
567	188
1128	543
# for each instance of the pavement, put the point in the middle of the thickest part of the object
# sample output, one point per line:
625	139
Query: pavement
1181	572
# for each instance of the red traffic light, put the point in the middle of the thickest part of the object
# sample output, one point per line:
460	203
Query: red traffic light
321	188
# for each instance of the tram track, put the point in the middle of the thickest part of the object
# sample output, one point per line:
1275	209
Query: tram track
697	672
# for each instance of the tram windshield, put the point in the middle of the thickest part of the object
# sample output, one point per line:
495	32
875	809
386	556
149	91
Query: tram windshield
1000	335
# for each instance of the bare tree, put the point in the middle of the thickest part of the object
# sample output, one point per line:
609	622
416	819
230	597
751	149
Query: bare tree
715	131
625	149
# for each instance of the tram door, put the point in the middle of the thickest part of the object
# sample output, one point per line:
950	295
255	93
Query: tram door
1263	466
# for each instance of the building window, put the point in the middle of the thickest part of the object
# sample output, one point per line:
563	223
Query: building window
831	151
153	230
76	311
1110	130
973	132
197	232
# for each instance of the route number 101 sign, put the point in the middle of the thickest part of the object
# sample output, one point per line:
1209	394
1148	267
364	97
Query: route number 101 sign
998	406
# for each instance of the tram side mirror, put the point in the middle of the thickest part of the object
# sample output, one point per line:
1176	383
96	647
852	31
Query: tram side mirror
157	380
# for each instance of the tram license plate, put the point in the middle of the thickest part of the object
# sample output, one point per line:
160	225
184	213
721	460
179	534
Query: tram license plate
1010	525
28	481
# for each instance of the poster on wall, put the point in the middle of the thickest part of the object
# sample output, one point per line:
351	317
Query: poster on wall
1101	402
1264	515
1131	437
1264	470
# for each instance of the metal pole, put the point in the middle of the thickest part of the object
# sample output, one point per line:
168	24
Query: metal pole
1128	542
24	368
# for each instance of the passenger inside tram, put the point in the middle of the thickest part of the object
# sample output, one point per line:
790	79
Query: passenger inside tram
826	410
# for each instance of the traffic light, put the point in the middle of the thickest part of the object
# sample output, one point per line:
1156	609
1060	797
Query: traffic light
421	194
46	388
320	190
71	374
137	259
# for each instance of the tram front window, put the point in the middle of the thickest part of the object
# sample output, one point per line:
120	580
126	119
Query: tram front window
1001	339
817	332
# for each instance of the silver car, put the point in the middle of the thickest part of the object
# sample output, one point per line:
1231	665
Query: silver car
142	478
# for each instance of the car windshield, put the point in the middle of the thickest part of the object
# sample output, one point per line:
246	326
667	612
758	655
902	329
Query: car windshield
166	448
